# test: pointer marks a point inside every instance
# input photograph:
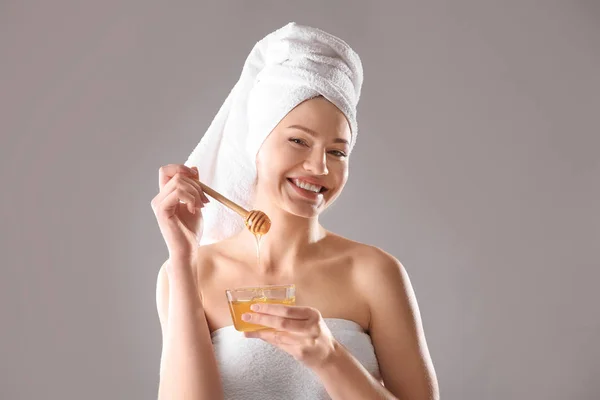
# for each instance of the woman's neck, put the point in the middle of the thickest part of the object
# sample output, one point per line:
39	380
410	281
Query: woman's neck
290	240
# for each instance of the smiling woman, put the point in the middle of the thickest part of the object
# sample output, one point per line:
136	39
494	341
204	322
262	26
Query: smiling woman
281	143
306	152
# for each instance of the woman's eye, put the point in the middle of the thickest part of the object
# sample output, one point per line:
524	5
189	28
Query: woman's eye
338	153
297	141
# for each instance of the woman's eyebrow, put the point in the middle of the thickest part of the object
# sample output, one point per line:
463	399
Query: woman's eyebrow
313	133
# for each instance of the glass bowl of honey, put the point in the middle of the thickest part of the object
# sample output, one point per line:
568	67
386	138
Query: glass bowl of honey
241	299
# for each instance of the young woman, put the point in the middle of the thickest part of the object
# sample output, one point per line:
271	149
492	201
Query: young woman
355	331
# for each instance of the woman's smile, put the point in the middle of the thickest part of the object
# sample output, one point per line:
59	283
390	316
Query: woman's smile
307	193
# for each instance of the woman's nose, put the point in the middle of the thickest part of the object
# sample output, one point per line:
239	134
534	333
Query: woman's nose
316	163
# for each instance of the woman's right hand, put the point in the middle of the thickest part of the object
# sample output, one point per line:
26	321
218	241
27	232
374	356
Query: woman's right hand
177	208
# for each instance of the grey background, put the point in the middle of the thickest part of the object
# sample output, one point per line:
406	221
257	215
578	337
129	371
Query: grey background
477	166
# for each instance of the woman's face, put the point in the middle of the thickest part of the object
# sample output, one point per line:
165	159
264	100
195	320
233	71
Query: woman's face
303	164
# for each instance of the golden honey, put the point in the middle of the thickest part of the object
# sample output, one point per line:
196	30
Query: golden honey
241	299
239	307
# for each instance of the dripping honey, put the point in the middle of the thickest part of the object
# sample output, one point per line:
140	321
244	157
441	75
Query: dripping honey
241	299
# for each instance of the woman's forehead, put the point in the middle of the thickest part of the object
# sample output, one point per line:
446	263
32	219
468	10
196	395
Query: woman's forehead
319	116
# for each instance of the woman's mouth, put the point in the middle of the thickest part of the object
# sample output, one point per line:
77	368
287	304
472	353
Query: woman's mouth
307	190
307	186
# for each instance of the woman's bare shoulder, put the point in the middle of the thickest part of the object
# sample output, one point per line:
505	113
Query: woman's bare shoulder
370	264
219	254
360	251
206	258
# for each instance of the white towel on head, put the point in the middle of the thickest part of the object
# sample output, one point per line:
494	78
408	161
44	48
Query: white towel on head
293	64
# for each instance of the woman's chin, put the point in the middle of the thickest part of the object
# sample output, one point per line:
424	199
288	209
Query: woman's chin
304	210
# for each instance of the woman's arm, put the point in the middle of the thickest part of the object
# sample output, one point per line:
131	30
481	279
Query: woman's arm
397	332
344	377
188	368
395	328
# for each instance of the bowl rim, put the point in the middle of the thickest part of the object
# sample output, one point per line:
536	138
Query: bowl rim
251	288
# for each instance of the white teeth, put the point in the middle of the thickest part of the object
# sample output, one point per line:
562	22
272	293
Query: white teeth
307	186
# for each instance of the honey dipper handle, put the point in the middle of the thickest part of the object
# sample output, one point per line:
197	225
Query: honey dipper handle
224	200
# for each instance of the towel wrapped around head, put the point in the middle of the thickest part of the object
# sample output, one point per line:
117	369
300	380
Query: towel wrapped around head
293	64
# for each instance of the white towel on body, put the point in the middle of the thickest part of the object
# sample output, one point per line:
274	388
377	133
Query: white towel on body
252	369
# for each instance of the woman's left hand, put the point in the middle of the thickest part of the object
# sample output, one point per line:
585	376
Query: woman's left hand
299	331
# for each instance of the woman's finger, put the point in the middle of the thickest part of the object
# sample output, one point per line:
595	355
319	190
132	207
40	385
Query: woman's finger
283	310
167	172
189	185
278	323
180	189
169	203
196	183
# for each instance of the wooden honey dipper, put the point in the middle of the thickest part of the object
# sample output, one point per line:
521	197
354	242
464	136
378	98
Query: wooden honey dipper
256	221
